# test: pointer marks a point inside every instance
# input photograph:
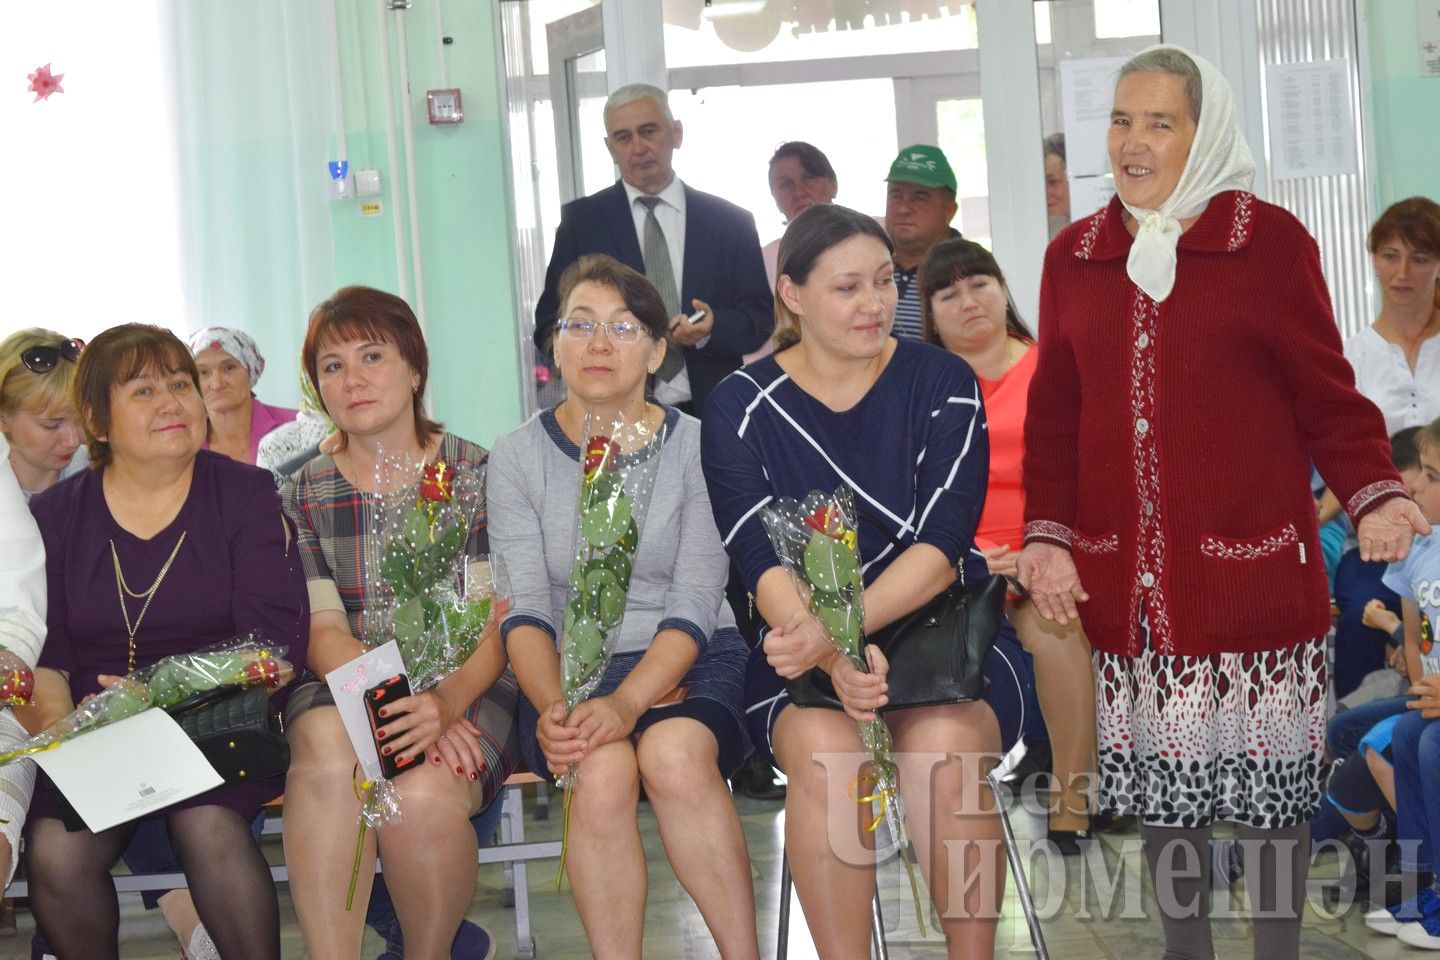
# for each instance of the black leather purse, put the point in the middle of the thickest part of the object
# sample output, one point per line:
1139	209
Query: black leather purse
240	732
936	653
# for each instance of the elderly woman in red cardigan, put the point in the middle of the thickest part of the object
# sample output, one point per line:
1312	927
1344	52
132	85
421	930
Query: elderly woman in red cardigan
1189	372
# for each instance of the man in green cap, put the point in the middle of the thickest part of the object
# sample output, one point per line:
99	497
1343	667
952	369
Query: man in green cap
919	205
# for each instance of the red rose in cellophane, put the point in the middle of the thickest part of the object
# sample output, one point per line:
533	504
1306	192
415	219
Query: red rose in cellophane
435	484
17	686
600	454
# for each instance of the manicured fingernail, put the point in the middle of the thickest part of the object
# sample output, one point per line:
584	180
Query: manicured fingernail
385	751
384	714
459	769
472	776
379	734
437	760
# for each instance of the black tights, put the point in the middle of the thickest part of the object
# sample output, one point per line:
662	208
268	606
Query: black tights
75	903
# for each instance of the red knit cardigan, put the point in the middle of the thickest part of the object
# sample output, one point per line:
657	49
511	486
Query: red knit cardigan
1168	446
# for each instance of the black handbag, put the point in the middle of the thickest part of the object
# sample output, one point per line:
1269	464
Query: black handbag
936	653
240	732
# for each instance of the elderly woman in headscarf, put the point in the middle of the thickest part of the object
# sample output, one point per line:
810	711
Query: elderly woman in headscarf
230	364
1189	371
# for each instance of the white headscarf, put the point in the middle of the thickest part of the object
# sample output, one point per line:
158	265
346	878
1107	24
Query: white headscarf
237	343
1219	161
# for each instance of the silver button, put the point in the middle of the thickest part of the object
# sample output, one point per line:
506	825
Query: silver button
1142	425
1142	341
1148	507
1147	580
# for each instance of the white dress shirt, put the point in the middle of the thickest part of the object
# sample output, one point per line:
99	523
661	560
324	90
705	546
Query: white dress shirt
670	212
1406	398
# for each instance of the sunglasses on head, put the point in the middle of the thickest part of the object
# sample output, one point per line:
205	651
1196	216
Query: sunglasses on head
45	359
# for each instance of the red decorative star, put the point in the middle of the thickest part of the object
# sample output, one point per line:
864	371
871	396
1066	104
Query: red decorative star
43	83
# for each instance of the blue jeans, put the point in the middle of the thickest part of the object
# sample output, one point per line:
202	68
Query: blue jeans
1347	728
1359	649
1416	744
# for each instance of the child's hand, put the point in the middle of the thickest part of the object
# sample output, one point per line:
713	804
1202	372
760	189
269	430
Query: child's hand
1379	617
1395	660
1426	691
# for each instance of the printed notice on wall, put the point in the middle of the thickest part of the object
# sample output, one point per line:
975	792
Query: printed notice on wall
1427	32
1087	92
1312	130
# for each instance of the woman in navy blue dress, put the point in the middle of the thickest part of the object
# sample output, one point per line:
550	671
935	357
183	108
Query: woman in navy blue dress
901	424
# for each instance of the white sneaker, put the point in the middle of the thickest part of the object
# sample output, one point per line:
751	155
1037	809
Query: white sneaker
1383	921
1415	935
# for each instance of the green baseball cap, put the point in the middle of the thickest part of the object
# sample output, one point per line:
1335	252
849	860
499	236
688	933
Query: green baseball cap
923	164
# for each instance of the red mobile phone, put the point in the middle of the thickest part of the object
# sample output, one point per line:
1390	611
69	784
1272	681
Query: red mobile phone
380	695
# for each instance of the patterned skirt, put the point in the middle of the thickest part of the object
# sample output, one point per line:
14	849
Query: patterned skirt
1184	741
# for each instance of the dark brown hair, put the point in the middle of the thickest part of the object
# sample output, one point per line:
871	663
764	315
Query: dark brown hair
815	230
1415	220
639	294
810	157
114	358
364	313
1427	439
955	259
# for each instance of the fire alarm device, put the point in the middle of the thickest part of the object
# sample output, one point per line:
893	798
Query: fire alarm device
444	105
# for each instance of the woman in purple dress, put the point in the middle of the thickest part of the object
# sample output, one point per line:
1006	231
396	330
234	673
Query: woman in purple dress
160	549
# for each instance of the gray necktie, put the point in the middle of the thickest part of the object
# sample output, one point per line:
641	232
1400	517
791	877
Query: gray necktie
662	274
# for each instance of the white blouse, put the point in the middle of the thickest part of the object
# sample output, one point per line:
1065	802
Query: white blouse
1382	374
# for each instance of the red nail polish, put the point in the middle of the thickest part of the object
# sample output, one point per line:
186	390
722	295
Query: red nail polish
472	776
437	760
379	734
385	751
383	713
459	769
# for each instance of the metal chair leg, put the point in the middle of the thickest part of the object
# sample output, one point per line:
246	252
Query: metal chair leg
782	936
1017	867
877	927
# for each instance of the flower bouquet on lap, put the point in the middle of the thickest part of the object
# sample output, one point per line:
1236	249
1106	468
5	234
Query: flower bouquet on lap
817	542
173	683
619	466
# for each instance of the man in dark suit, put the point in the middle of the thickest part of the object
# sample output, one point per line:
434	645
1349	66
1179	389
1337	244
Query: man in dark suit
701	252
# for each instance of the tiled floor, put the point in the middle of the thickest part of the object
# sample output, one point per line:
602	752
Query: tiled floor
1078	925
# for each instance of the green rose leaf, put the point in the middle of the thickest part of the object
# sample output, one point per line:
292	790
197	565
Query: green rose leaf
631	540
409	622
837	616
829	564
450	542
606	523
619	564
416	529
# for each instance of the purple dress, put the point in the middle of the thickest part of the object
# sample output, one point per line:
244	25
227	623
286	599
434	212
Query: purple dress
237	572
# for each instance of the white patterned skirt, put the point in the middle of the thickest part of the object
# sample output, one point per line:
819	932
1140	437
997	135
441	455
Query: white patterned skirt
1184	741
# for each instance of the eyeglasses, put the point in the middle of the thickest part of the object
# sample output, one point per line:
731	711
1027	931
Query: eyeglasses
45	359
620	331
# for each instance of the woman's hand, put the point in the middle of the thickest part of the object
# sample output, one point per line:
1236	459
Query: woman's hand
798	646
458	749
415	723
1003	561
1048	572
600	720
1426	692
861	693
561	745
1385	532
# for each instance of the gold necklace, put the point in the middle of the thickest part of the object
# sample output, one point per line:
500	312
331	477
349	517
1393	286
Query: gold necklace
123	588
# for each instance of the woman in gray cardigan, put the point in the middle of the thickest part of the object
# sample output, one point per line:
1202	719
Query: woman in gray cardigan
667	713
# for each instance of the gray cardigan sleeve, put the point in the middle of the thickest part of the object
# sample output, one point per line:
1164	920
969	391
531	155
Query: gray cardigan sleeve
22	570
514	485
697	588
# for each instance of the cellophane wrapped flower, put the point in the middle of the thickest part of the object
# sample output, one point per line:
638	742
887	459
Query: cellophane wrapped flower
422	590
817	541
618	468
17	680
168	682
424	593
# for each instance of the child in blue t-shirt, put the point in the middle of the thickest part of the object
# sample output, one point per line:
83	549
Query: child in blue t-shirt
1415	740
